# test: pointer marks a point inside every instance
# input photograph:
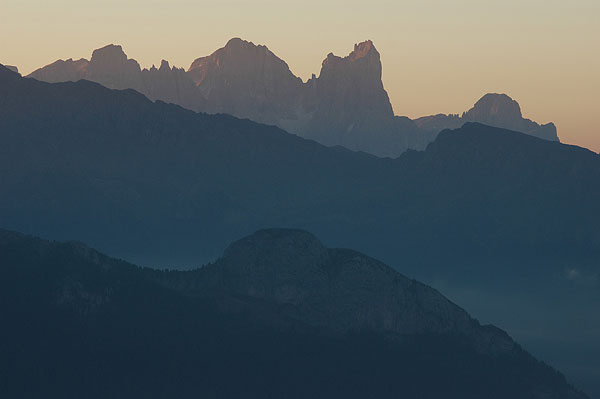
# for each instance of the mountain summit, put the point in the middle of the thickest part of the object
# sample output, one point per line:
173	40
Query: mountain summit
164	186
336	289
345	105
247	81
495	108
279	315
348	96
498	110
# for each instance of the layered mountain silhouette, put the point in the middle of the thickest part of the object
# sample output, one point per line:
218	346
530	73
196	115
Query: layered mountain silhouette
79	154
163	186
495	110
345	105
278	315
12	68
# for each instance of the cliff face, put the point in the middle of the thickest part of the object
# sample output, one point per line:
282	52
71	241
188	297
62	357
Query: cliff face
345	105
246	81
349	106
110	67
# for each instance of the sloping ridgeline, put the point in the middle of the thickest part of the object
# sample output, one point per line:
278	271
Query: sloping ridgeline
160	185
278	315
506	223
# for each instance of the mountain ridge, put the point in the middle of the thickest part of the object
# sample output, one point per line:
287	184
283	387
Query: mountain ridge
157	184
345	105
493	109
147	324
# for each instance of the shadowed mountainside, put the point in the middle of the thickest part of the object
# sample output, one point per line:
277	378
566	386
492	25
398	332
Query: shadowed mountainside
279	315
483	212
153	178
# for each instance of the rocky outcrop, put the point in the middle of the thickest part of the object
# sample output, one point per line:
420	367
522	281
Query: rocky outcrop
345	105
349	106
336	289
62	71
110	67
247	81
498	110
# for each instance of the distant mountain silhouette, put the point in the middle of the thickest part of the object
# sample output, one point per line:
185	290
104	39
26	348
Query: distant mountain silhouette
110	67
246	81
279	315
163	186
111	154
497	110
345	105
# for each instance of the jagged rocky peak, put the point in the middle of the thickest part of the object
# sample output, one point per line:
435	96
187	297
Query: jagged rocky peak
247	81
110	56
363	50
495	106
349	98
359	70
164	65
241	55
109	52
237	44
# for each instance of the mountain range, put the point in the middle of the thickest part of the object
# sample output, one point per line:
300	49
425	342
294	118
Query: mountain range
345	105
80	154
501	220
278	315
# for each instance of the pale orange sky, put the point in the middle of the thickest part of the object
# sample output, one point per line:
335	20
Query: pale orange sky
438	56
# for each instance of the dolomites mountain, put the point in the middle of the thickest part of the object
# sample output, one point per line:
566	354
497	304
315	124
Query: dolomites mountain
110	67
493	109
246	81
345	105
163	186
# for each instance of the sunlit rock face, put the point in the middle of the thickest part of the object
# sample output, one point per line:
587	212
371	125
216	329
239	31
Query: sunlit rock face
247	81
345	105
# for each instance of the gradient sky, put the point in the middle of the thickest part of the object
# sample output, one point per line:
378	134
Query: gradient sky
438	56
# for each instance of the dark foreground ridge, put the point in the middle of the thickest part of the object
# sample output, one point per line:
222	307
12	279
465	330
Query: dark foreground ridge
279	315
509	219
165	186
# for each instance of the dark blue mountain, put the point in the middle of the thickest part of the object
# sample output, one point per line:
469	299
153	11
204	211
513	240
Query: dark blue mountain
505	222
279	315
